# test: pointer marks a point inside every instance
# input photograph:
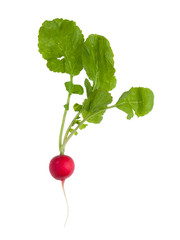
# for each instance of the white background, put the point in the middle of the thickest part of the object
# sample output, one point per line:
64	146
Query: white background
126	184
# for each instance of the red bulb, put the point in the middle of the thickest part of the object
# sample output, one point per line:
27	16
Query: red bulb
61	167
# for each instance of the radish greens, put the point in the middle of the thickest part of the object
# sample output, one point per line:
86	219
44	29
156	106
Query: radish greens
63	46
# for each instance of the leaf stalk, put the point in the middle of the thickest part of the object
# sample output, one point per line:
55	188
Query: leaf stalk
61	146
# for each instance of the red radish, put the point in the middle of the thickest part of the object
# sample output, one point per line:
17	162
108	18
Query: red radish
95	56
61	167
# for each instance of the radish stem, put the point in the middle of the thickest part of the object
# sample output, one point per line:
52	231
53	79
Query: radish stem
61	146
71	124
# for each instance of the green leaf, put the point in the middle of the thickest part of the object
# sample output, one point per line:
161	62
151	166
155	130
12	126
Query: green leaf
66	106
69	86
77	107
83	126
71	130
95	105
88	87
98	62
77	121
78	89
61	43
140	100
56	65
74	88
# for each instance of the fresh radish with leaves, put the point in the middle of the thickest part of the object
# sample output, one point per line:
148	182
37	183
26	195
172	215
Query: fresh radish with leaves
63	46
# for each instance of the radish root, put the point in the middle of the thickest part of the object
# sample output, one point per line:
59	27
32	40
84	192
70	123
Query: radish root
66	203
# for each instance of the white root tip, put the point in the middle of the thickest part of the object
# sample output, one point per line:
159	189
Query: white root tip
66	203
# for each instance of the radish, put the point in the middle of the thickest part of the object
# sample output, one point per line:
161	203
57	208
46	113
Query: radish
62	44
62	167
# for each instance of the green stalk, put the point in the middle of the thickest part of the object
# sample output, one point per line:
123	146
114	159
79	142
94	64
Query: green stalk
61	146
67	138
70	125
72	133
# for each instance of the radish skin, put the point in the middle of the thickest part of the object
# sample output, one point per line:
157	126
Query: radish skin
61	167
